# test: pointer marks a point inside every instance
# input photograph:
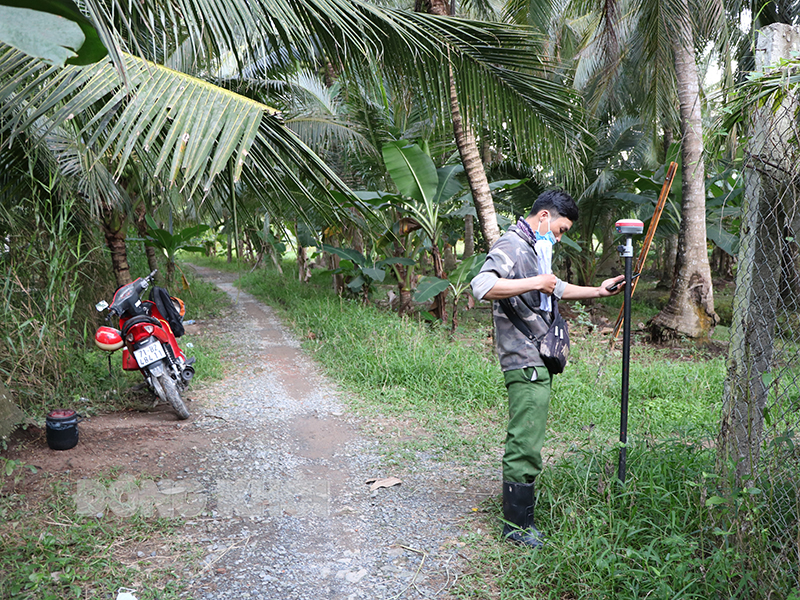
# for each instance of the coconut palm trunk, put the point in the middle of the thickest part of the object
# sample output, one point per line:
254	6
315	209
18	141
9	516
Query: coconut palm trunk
690	309
473	168
141	228
113	225
469	237
468	151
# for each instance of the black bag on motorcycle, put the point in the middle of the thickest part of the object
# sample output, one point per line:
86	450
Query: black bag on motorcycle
161	298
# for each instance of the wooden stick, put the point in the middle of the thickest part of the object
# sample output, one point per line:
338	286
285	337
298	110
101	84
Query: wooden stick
648	239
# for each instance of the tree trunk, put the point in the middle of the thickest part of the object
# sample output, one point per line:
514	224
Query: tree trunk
333	263
357	236
274	257
249	247
670	256
468	150
668	139
303	270
449	258
722	263
609	243
759	354
473	168
752	344
690	310
469	237
113	225
439	308
141	228
790	266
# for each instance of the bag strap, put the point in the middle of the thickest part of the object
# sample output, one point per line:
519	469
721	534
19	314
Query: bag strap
516	320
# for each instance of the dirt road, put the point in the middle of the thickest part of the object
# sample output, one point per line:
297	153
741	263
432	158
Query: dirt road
271	476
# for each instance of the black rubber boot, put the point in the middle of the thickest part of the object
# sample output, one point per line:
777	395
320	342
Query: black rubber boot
518	502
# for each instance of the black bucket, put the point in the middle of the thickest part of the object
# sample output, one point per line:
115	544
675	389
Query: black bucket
62	429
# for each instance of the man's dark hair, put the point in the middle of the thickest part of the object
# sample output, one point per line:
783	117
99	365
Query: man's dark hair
558	202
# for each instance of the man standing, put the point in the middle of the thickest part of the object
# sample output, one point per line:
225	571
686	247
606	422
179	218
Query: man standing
519	268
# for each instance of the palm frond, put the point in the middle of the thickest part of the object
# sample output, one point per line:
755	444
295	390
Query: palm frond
62	160
185	128
498	66
90	175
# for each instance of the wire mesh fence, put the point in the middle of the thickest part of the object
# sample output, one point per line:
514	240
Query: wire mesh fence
759	441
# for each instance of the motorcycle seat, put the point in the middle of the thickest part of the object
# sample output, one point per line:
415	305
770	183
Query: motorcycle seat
139	319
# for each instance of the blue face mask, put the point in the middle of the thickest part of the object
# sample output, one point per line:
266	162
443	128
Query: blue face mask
549	237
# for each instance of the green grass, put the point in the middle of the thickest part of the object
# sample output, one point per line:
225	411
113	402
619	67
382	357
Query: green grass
61	366
409	367
47	551
662	535
203	300
667	394
656	537
88	385
52	553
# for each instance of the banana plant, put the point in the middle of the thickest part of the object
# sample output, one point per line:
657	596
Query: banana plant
169	243
423	189
458	283
71	37
425	193
363	271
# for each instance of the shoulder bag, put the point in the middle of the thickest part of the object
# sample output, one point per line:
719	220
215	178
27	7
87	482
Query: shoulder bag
554	346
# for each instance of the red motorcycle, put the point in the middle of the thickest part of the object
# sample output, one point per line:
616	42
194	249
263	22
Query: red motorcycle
146	330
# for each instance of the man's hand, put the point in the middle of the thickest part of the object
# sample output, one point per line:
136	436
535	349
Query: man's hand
544	283
581	292
608	283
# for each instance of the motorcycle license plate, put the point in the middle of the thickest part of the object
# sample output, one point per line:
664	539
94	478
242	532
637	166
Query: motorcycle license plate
149	354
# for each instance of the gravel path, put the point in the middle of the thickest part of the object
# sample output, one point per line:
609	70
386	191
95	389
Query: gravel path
286	473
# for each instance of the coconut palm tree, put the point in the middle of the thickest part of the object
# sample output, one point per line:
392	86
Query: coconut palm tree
184	125
642	57
690	309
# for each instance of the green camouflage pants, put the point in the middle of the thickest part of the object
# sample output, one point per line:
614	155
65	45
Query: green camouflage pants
528	404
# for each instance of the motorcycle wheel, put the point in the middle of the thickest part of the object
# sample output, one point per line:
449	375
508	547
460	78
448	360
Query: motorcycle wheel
167	390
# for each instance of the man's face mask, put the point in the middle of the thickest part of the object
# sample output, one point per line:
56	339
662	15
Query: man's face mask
548	235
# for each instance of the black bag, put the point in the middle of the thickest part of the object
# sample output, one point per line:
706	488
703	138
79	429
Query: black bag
554	346
161	298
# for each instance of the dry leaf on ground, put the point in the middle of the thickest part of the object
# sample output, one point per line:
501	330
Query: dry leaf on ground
386	482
